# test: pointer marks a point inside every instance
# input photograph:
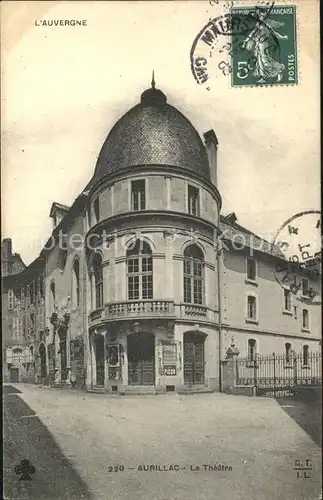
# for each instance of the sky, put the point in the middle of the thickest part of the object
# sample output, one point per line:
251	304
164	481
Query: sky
64	87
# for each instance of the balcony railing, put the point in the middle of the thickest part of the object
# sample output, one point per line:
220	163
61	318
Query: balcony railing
140	308
193	310
96	314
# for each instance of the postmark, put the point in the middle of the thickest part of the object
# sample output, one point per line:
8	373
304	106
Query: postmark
299	241
244	41
268	53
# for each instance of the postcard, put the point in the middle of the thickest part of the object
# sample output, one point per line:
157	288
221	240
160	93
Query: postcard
161	250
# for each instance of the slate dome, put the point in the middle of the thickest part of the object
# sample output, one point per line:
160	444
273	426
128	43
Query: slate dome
153	133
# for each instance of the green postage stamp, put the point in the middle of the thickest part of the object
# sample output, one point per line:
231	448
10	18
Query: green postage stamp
267	54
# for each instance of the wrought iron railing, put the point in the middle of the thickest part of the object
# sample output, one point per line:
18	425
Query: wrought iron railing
279	372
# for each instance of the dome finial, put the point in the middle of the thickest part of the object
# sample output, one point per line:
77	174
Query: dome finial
153	80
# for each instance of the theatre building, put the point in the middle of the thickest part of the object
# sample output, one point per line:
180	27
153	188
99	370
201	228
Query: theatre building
141	291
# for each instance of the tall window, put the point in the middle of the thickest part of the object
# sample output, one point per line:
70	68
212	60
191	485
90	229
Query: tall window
76	283
305	287
140	271
52	297
138	197
98	280
251	269
193	275
288	353
252	349
22	298
193	197
306	321
305	355
287	300
96	209
251	307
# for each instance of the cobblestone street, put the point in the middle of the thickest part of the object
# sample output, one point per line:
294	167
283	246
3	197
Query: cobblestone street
86	445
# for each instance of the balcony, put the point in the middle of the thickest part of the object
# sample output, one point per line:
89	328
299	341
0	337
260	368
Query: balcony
96	315
140	309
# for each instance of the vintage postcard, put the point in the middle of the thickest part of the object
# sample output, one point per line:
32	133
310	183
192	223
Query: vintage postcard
161	250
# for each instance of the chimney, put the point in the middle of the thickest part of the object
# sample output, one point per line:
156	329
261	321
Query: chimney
211	144
7	248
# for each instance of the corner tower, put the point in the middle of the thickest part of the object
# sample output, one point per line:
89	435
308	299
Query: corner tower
152	217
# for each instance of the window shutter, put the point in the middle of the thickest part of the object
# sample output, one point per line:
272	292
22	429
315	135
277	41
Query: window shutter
10	300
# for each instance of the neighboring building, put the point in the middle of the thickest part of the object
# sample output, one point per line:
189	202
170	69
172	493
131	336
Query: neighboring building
23	323
143	287
11	263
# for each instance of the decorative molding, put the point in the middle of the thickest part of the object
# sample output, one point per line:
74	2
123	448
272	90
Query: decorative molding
158	256
119	260
226	326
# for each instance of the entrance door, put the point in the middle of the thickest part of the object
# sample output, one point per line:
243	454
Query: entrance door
141	359
62	350
193	358
14	375
42	353
99	352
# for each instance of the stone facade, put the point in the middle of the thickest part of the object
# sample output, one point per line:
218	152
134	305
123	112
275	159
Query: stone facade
137	292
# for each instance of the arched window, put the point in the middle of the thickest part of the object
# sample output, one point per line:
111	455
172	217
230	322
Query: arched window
305	355
98	280
251	307
76	283
306	323
288	352
140	271
252	349
193	275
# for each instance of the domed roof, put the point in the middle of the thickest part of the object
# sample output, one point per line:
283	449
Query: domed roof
153	133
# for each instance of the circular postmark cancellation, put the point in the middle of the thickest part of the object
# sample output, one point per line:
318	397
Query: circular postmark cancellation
255	44
297	247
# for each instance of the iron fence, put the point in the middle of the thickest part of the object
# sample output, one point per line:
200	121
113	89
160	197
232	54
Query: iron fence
280	373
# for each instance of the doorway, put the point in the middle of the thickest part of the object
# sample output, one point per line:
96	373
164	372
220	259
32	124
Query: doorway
194	358
141	359
42	354
99	355
14	375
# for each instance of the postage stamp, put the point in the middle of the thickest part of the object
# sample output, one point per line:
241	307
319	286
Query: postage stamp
267	54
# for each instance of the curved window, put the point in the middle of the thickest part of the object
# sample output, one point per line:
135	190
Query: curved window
76	283
252	349
193	275
98	280
140	271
